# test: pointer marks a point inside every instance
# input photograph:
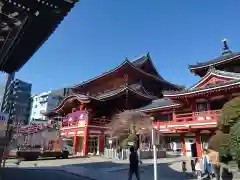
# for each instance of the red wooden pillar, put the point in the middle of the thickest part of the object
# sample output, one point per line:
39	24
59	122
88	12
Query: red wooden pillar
81	108
208	105
183	145
174	115
198	143
194	106
101	142
75	143
85	140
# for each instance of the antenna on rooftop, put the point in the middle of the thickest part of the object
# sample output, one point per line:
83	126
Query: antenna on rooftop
226	49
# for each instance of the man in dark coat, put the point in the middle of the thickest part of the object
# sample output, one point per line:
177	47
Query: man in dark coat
134	164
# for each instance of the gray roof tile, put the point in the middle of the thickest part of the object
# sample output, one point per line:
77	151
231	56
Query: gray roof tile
218	85
215	60
158	103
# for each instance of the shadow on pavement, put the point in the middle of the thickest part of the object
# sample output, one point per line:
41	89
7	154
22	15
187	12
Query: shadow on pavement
107	170
35	174
98	165
103	170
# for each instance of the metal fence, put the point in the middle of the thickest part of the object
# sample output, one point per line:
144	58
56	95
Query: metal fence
113	154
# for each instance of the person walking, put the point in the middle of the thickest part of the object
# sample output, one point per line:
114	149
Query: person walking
198	169
133	164
119	153
214	159
207	164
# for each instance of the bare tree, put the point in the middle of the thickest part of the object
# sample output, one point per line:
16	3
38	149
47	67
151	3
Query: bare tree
130	121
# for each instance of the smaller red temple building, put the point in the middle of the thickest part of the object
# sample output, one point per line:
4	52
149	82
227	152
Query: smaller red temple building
189	116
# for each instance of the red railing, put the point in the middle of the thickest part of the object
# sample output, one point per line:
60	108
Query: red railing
99	121
93	122
211	115
198	116
70	123
194	117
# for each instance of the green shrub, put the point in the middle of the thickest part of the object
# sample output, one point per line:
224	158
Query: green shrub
235	141
130	138
230	113
220	143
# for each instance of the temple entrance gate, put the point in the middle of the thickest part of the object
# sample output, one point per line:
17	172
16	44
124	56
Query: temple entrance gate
93	145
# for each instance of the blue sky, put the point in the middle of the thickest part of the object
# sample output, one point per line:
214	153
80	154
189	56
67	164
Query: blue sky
99	34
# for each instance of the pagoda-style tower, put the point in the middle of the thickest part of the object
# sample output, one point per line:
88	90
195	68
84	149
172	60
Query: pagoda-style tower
227	61
93	103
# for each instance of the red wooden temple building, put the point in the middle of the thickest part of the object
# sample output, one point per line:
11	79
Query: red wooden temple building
189	116
93	103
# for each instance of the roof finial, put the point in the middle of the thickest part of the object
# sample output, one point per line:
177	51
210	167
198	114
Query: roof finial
226	49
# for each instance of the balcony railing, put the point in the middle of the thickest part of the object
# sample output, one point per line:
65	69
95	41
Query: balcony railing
74	119
99	121
72	123
198	116
204	116
93	122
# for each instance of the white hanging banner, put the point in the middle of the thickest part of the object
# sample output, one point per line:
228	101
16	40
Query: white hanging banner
3	123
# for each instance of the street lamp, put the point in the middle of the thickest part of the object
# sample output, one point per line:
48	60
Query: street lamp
154	150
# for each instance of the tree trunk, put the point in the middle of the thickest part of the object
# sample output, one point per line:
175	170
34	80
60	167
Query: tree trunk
134	132
234	168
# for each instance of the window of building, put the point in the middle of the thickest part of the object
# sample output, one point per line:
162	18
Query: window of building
35	106
163	117
23	110
54	97
202	107
236	69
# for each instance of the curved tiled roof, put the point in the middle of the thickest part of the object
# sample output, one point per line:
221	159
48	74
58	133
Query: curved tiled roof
79	97
159	104
137	89
202	89
134	65
41	17
213	71
216	61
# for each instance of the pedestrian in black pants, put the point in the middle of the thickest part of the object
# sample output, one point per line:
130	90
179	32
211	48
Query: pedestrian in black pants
133	164
216	171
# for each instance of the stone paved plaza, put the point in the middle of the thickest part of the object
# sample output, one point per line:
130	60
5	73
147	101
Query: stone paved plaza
91	168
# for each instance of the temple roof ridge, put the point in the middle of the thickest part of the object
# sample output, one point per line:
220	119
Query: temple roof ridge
132	87
227	73
216	72
211	87
215	61
140	59
131	64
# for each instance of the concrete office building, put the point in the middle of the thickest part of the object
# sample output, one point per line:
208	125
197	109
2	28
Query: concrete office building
4	78
16	100
44	102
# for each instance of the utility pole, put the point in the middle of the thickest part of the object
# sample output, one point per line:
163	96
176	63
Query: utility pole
154	151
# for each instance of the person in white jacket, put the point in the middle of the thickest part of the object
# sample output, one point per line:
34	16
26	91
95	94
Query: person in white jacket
198	168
